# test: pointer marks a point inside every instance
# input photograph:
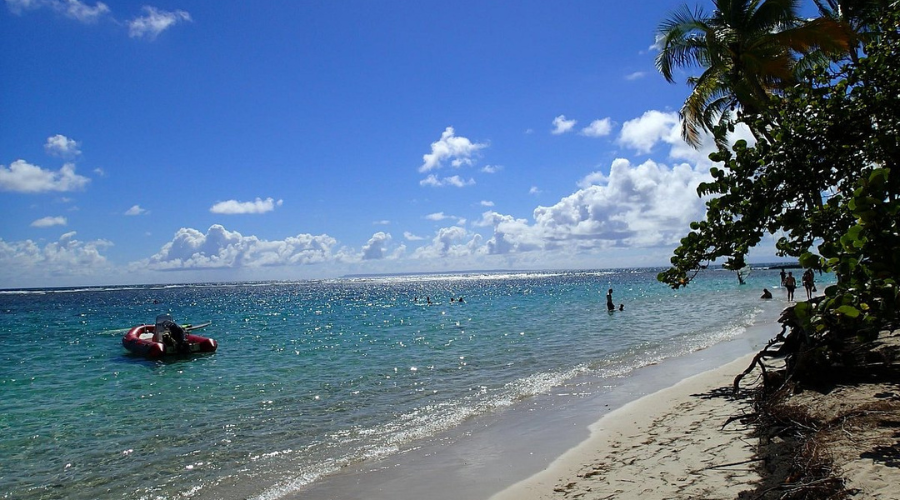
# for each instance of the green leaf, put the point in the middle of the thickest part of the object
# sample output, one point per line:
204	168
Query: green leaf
849	311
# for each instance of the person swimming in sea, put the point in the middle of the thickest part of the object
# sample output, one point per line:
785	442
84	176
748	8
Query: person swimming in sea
609	301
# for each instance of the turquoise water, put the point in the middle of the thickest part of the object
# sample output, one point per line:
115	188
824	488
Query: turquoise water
313	376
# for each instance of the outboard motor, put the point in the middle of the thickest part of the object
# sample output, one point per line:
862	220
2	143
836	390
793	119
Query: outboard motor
170	333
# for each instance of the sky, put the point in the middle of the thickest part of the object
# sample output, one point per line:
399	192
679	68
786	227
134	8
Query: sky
193	141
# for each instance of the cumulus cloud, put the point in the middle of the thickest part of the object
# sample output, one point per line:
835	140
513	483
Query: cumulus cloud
24	177
598	128
654	128
593	178
644	205
66	257
561	125
62	147
411	237
452	242
636	206
534	190
376	247
456	181
219	248
457	150
135	210
155	21
232	207
491	169
641	134
486	203
49	222
510	235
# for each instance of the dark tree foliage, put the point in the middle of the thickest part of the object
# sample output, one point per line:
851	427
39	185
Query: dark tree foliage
825	179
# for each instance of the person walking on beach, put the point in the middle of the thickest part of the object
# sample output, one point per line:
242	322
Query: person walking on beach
809	281
609	301
791	284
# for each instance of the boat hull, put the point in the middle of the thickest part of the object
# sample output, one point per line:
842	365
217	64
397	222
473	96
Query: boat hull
139	340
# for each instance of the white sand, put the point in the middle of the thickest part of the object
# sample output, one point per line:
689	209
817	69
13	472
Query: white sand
667	445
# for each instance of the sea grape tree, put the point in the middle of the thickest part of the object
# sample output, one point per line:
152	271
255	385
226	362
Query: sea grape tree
824	179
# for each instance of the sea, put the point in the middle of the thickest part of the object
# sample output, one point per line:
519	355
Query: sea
312	378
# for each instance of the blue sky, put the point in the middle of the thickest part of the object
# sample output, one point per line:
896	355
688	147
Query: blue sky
181	141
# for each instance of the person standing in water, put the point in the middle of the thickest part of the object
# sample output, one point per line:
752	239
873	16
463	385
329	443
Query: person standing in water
791	284
609	301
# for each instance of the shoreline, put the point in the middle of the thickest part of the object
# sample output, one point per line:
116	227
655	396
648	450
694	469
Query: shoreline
497	456
666	445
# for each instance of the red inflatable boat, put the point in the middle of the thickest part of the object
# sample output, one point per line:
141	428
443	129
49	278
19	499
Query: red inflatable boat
173	339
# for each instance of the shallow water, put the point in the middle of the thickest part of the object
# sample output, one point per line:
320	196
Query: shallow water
313	376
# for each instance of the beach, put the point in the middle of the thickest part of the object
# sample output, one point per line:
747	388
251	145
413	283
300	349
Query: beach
671	444
684	442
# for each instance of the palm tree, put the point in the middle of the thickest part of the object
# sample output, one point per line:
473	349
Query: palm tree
747	51
860	15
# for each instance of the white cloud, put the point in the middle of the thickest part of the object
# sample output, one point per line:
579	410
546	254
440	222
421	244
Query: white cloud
19	6
376	247
641	134
458	151
62	147
561	125
49	222
412	237
593	178
456	181
637	75
154	22
491	169
598	128
24	177
534	190
511	235
66	257
437	216
233	207
219	248
642	206
135	210
73	9
486	203
452	242
383	222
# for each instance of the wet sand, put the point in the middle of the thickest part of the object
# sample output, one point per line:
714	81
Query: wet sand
673	444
